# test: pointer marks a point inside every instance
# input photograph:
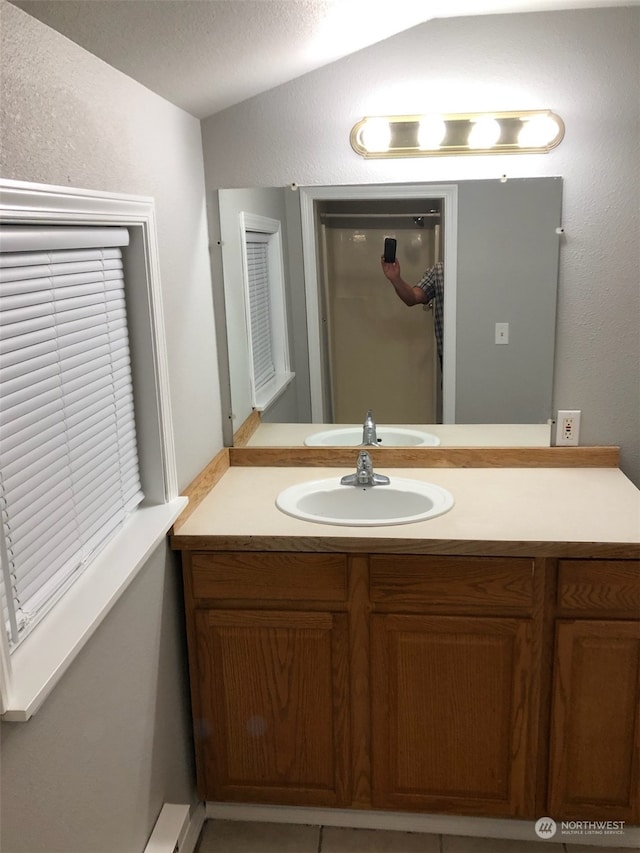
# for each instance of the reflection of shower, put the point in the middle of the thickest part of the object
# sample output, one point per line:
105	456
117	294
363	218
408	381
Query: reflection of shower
378	353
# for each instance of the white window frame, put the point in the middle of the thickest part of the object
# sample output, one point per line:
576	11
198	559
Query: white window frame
29	674
262	398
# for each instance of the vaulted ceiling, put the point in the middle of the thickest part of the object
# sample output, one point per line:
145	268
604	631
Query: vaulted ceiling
206	55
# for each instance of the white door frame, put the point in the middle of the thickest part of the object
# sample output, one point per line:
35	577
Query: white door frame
448	193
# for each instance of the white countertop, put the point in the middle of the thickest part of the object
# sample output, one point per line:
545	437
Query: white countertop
583	505
450	435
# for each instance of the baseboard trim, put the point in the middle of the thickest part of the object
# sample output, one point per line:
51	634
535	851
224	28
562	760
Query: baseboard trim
480	827
196	822
169	830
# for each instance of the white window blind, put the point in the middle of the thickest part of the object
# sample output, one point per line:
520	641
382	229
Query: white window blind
257	246
68	459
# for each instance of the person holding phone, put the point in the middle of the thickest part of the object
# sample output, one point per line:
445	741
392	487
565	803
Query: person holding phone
430	288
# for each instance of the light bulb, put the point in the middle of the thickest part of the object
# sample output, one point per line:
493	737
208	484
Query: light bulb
376	134
431	132
484	133
537	132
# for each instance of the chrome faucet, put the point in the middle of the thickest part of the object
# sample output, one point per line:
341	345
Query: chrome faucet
369	436
364	475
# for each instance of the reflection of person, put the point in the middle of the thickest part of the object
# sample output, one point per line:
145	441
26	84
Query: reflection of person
430	288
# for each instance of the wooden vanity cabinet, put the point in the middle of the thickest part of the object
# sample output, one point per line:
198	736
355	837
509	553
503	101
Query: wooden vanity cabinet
495	686
595	724
452	684
268	638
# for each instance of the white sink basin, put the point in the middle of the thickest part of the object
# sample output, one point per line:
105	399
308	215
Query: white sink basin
403	501
387	437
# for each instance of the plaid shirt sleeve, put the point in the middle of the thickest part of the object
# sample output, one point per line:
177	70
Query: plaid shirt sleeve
432	283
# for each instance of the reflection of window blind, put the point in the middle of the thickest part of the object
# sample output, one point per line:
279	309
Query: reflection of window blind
68	458
259	302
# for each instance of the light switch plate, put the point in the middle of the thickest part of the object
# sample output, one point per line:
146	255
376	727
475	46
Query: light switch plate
502	333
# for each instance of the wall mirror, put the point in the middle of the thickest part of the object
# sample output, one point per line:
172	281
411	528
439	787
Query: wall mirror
354	345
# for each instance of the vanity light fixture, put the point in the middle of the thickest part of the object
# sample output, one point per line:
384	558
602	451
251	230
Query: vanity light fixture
528	132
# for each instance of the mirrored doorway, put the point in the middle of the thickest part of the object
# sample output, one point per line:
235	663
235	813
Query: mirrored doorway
390	199
377	352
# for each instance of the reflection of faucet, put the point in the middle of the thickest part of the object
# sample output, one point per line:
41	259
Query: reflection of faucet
369	436
364	475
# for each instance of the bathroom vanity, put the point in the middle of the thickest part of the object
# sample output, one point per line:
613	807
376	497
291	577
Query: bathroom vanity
484	662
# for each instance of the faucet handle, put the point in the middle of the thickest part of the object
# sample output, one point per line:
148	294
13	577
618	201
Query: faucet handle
364	462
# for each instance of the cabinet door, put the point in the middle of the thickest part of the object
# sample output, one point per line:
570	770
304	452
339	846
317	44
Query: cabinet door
275	704
451	714
595	734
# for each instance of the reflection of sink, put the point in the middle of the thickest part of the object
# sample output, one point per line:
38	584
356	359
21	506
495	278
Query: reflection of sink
387	437
328	502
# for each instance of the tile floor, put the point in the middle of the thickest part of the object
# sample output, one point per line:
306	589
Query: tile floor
228	836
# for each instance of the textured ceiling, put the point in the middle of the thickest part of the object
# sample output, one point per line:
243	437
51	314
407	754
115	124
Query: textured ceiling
206	55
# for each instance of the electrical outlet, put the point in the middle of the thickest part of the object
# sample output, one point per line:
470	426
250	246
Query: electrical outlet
568	427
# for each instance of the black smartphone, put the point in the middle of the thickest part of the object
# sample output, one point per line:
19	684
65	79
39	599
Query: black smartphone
389	250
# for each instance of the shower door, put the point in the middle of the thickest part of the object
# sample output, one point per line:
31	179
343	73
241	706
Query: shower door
381	353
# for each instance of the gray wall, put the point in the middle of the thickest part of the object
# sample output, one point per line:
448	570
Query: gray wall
507	272
90	771
579	64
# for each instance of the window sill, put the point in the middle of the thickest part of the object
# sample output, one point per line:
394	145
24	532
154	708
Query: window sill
270	393
41	660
